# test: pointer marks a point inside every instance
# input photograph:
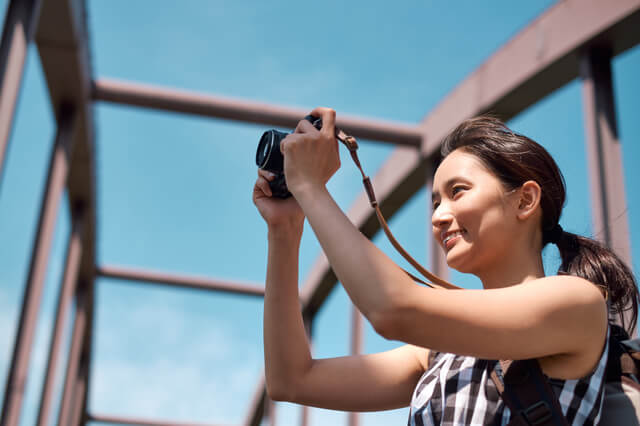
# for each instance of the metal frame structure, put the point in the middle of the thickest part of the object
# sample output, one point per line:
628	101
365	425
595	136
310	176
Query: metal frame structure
572	39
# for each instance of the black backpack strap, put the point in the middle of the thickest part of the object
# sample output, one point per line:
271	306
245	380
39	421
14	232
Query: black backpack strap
528	394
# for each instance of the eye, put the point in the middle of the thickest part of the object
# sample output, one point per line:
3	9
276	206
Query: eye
457	189
435	205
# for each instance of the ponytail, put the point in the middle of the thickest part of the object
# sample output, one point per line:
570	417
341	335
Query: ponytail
515	159
593	261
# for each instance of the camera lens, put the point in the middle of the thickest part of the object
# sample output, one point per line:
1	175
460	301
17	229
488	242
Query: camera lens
268	155
264	149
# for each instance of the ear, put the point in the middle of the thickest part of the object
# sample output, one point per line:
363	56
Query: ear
529	195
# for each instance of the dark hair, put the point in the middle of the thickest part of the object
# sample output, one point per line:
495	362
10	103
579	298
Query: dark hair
515	159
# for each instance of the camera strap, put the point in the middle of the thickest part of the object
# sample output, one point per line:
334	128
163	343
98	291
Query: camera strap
435	281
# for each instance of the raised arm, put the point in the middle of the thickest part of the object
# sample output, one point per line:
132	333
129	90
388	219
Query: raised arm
550	317
360	383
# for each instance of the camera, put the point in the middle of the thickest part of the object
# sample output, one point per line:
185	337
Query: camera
269	157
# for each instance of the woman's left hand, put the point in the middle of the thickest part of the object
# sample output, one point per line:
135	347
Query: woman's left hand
311	156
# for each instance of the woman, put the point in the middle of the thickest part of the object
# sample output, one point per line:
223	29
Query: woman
497	199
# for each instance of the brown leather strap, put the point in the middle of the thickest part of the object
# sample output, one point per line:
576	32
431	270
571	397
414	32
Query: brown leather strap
435	281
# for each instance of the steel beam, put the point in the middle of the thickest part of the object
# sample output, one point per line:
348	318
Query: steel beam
135	94
604	153
305	411
56	179
62	40
257	406
17	33
74	252
203	283
357	340
63	46
73	365
139	421
80	395
535	62
437	256
541	58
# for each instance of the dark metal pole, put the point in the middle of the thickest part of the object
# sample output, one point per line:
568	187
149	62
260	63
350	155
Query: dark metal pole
604	153
609	204
270	410
308	327
81	395
73	365
146	276
356	349
140	421
58	170
438	259
74	253
167	99
80	392
257	407
17	33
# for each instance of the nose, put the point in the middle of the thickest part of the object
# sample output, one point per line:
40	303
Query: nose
441	218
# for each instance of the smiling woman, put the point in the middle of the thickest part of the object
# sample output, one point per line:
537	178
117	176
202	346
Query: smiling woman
497	200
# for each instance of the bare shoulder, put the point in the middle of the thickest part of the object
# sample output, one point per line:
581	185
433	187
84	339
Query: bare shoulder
567	291
571	284
587	303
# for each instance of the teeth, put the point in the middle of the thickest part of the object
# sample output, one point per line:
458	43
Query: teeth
455	234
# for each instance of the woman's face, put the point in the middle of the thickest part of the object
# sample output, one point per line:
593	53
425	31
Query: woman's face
473	214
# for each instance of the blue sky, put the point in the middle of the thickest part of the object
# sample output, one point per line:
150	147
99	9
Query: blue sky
174	190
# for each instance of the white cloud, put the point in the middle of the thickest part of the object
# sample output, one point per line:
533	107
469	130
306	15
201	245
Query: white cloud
182	370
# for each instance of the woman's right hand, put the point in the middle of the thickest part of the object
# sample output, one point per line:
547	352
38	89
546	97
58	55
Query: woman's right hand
277	212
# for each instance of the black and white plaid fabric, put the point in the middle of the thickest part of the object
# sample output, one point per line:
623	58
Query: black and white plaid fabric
458	390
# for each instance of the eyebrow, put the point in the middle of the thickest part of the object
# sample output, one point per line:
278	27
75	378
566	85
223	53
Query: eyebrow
435	194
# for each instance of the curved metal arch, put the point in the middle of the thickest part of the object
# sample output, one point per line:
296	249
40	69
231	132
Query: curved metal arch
540	59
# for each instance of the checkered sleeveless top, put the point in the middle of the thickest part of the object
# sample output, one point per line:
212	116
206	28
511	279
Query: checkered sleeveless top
458	390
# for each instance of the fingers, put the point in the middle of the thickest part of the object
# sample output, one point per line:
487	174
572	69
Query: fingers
328	117
290	139
262	183
304	126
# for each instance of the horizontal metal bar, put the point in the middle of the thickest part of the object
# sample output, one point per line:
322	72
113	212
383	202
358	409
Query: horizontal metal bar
203	283
140	421
174	100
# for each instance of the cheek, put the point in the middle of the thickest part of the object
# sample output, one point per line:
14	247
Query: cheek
481	214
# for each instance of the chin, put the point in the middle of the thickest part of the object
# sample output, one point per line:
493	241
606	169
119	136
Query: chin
458	262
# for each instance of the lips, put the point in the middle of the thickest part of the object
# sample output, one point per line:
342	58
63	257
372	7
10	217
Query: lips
448	238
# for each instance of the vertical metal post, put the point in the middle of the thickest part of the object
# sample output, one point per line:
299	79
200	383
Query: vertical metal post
73	364
56	180
438	259
74	253
308	326
356	349
78	417
258	405
270	410
604	153
81	391
19	26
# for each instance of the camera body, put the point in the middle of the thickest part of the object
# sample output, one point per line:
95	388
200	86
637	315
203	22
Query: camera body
269	157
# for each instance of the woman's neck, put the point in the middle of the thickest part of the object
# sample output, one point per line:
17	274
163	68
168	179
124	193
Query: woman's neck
518	269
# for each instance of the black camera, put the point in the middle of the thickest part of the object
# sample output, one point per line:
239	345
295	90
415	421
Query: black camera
269	157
